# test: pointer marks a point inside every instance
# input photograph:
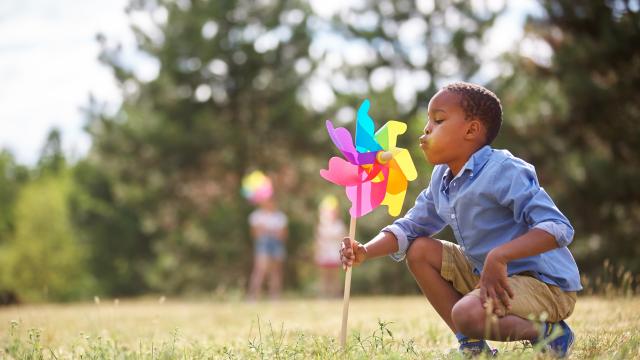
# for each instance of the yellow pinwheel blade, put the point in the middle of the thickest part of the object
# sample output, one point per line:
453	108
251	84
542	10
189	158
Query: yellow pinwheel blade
401	167
387	135
394	202
396	189
403	159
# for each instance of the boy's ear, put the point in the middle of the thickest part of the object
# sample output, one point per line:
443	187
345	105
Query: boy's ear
474	130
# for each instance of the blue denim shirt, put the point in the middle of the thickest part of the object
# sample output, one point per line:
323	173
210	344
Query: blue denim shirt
494	199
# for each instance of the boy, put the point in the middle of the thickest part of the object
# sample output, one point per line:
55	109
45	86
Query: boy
511	262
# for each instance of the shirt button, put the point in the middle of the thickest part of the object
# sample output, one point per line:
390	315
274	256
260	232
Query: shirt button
453	216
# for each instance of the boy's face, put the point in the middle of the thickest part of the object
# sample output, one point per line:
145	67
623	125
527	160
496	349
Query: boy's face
446	136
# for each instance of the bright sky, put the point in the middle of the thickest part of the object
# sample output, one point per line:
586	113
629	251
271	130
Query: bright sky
49	66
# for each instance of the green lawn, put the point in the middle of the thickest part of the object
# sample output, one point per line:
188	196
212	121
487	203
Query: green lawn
380	327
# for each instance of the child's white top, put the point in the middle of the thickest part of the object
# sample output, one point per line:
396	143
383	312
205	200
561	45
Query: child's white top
272	222
329	236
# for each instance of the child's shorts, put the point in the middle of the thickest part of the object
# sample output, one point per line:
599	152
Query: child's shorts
532	297
271	247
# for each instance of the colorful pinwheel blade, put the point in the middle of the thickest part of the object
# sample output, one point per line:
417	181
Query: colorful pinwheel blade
369	180
342	139
366	196
403	158
374	172
342	172
397	182
365	141
387	135
396	189
394	202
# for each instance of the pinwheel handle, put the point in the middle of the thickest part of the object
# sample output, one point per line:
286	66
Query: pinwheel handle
347	287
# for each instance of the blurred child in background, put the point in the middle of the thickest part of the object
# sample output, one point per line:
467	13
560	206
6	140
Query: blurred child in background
269	232
329	234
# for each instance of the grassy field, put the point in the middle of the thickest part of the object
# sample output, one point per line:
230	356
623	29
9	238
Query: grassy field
379	327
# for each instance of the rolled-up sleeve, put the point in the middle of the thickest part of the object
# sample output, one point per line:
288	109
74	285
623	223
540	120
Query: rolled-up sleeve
403	242
562	232
518	189
421	220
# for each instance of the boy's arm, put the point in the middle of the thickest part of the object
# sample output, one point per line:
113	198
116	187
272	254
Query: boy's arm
533	242
493	280
384	243
421	220
549	228
518	189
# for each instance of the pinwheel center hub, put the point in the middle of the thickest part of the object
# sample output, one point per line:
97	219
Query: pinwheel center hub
383	157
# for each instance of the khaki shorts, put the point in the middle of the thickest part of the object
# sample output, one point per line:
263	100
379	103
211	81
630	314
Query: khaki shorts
533	299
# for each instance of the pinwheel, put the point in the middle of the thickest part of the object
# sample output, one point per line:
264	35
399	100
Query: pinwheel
374	172
256	187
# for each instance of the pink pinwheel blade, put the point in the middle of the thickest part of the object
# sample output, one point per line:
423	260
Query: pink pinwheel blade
343	140
366	196
342	172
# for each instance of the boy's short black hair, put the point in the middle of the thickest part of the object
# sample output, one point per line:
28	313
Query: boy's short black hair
479	102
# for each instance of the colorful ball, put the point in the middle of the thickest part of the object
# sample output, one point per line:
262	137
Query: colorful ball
257	187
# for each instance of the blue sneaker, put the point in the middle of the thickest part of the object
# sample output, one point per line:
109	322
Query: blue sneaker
474	347
561	338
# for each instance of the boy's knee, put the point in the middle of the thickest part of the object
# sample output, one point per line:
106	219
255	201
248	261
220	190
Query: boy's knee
468	316
423	251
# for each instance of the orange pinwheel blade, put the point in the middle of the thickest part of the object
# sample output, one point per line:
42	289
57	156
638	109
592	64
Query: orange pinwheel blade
403	158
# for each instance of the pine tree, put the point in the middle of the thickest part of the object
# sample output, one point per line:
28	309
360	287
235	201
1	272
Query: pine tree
224	102
576	117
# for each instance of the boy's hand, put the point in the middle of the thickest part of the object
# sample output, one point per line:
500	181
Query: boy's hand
352	253
493	284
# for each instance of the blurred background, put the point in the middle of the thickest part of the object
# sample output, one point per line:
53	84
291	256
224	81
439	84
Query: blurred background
126	128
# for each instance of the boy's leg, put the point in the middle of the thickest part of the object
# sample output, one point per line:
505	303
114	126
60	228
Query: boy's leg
424	259
443	274
533	299
470	316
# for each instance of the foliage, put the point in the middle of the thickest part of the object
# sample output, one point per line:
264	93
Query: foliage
52	159
575	116
12	176
43	260
161	183
410	48
155	205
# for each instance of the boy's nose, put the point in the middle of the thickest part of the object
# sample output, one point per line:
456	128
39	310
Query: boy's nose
428	128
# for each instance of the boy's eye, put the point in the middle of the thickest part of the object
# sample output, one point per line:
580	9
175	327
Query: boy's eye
438	121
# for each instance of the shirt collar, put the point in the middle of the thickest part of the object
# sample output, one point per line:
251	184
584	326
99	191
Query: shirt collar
474	164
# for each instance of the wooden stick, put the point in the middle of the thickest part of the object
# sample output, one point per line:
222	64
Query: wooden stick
347	288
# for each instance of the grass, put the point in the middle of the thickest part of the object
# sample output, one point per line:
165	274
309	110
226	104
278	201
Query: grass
379	327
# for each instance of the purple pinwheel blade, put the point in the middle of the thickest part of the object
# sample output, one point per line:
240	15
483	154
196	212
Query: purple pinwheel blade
341	137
